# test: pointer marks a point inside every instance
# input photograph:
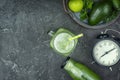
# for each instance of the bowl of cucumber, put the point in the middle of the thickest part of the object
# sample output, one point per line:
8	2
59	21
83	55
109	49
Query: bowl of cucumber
93	14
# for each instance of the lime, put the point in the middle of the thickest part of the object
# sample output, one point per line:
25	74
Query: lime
75	5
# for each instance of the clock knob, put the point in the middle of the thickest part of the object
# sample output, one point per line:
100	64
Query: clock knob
102	36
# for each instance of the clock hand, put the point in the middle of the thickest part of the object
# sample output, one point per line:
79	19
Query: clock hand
107	52
110	50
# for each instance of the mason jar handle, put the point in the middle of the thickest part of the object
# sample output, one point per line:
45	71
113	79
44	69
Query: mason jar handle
51	33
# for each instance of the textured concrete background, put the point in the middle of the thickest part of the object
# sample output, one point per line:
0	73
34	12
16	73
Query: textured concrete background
25	53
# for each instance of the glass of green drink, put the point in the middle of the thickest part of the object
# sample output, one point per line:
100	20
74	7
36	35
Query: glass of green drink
60	42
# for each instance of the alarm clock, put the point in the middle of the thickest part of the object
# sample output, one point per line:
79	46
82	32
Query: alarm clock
106	50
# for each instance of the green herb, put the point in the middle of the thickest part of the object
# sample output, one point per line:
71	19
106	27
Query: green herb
87	6
113	16
83	14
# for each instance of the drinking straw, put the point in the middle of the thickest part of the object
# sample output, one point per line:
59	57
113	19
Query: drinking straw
76	37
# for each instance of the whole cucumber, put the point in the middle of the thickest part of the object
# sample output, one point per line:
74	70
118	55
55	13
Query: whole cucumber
116	4
99	12
79	71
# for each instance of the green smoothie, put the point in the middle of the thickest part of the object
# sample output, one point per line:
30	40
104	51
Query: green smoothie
61	43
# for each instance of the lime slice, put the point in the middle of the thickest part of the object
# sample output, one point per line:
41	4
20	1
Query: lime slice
62	44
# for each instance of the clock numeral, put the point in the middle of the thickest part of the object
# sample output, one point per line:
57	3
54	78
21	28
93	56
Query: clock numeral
96	54
116	51
109	62
105	43
96	49
113	60
117	57
110	44
103	61
100	46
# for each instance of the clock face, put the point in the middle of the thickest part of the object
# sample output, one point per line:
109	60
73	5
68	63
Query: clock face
106	52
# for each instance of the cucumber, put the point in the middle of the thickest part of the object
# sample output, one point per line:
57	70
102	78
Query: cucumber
116	4
99	12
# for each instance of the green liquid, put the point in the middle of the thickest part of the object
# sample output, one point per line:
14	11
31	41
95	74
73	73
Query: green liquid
79	71
62	44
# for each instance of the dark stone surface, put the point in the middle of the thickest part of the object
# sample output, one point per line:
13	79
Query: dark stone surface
25	53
